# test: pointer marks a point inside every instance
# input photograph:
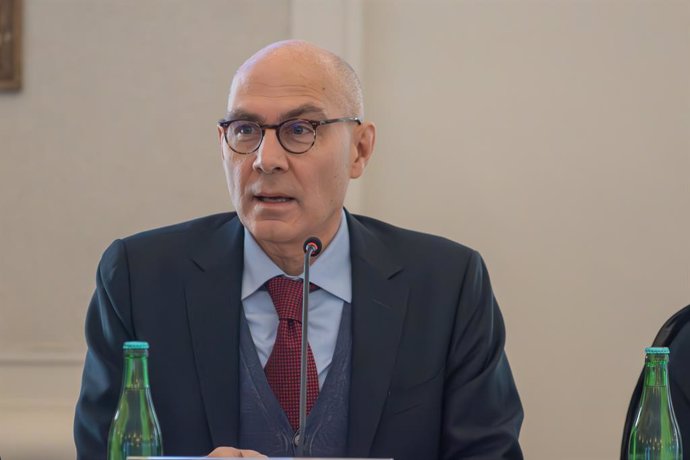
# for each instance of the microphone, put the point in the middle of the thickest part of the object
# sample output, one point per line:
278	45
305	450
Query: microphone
312	247
314	244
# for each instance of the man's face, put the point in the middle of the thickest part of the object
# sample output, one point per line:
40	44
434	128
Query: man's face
281	197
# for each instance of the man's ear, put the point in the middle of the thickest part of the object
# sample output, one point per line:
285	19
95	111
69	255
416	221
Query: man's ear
364	139
221	141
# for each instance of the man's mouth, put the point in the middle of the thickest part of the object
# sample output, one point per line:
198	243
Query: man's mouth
273	199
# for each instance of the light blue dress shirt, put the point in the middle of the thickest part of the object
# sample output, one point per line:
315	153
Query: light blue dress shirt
331	271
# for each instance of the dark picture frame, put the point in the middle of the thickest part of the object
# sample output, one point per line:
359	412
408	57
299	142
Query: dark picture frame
10	44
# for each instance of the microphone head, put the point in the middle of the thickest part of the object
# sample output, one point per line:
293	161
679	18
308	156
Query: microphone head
314	244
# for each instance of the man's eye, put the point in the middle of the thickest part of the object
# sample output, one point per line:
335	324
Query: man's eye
299	129
245	130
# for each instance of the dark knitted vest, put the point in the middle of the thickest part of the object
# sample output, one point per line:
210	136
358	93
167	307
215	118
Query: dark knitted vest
264	427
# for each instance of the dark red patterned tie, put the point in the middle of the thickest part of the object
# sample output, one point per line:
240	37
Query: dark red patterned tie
282	367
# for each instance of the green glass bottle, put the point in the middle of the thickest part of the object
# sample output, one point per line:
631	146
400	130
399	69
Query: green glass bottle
135	430
655	434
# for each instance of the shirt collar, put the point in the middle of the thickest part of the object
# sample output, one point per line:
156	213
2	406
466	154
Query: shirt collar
331	271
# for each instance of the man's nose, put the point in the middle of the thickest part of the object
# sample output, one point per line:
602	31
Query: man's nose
271	157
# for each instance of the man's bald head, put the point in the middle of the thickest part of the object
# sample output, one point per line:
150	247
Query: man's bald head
338	80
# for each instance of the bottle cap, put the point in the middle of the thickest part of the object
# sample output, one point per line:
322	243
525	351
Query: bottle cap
656	350
135	346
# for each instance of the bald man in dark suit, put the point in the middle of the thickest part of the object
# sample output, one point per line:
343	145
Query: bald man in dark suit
413	365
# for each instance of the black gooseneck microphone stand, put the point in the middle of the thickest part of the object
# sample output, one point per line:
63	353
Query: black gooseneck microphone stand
312	247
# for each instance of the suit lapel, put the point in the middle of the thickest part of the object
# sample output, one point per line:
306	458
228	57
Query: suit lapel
379	304
213	294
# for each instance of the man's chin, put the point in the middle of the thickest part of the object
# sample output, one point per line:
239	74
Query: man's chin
275	232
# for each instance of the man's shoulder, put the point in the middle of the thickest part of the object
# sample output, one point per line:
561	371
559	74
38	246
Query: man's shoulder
166	244
186	230
409	243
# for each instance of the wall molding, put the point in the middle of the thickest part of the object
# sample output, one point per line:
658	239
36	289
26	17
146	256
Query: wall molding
35	380
41	359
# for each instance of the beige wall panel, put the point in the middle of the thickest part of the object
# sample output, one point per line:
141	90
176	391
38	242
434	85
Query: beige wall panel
554	138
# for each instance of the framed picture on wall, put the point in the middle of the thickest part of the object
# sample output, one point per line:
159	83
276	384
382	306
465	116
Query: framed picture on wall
10	45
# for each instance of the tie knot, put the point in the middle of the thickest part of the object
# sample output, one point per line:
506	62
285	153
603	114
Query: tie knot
286	294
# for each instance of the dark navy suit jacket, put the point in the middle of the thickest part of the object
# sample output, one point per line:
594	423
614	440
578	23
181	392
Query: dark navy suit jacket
430	379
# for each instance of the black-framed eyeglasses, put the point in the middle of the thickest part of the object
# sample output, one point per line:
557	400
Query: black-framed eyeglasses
295	135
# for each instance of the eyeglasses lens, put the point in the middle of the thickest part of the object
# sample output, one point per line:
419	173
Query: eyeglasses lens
297	136
243	136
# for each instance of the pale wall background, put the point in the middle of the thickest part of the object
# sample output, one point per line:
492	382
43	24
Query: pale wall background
553	136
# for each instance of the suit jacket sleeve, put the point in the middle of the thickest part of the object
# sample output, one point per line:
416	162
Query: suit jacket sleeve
108	325
482	409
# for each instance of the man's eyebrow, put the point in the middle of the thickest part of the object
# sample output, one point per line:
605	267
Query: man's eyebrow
302	109
240	114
